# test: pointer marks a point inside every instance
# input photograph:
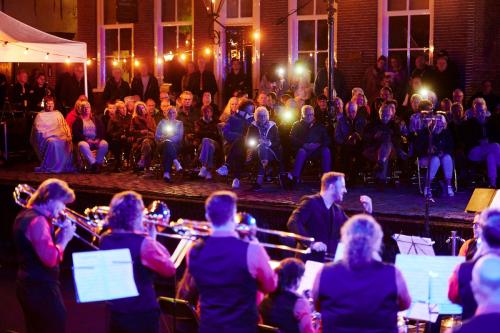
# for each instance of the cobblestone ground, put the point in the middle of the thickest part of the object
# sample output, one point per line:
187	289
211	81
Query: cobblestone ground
401	201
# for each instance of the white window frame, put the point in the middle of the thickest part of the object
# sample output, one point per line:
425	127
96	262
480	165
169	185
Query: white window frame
293	34
383	29
101	44
158	38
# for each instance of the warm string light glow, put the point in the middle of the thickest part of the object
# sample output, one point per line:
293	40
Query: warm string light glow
44	53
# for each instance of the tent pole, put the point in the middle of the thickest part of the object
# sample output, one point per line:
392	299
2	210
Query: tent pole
85	80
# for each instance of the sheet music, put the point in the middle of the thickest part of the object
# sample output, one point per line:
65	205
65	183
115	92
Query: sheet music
311	270
495	203
422	311
339	253
414	245
103	275
424	274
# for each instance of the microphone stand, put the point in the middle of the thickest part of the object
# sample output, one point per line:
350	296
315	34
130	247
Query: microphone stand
428	195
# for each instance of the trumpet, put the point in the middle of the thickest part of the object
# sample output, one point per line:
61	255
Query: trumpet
23	192
246	227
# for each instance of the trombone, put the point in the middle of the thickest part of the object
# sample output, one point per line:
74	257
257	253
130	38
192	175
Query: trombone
23	192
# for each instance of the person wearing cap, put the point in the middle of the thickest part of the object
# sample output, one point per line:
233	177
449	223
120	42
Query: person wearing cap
459	286
485	286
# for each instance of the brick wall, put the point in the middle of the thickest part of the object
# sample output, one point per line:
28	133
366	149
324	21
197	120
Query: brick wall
357	38
87	32
274	42
144	33
202	28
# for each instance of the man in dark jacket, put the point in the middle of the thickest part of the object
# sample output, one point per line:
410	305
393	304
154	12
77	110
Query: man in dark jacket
19	92
116	87
145	85
202	80
37	92
72	87
236	81
117	133
309	140
320	216
321	81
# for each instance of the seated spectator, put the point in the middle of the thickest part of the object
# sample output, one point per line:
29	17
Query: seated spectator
360	293
116	87
130	105
469	248
309	140
74	113
234	132
109	113
458	96
51	140
88	134
286	116
208	139
142	134
153	112
459	288
382	140
263	143
348	136
117	131
487	93
436	153
169	137
363	107
188	114
230	109
38	91
414	87
417	112
445	106
385	95
206	100
477	137
485	286
285	308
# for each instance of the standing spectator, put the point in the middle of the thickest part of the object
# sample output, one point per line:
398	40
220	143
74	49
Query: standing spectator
173	74
117	131
145	85
19	91
168	137
3	89
458	96
385	95
109	113
190	69
487	93
72	87
444	79
116	87
88	134
421	66
373	77
309	140
236	80
321	81
38	91
208	139
398	78
202	80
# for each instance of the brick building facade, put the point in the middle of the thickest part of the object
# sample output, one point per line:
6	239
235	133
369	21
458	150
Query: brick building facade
468	30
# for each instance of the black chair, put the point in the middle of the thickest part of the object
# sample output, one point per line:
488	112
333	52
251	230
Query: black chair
178	315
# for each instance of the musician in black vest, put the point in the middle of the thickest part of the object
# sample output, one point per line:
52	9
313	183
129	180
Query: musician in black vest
39	251
228	271
321	216
285	308
138	314
360	293
459	289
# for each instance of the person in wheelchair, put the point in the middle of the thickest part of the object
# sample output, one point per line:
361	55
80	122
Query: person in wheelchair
88	135
208	139
142	135
383	140
309	140
437	152
117	130
263	144
169	137
234	132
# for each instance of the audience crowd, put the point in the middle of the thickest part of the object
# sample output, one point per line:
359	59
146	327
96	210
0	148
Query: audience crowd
392	122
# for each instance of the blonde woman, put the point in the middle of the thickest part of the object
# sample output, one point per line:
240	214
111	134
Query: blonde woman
230	109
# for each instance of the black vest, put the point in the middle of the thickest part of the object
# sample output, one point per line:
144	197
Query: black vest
227	290
363	300
277	310
31	268
143	276
467	299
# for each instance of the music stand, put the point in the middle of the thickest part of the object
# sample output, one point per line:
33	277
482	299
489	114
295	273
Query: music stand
414	245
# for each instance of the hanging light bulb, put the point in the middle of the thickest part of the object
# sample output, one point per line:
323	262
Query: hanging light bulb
183	57
67	60
168	56
115	63
89	62
136	63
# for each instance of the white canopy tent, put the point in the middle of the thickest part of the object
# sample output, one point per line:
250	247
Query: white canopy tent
20	42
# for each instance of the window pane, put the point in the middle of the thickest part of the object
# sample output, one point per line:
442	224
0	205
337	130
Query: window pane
111	36
419	31
396	5
169	39
185	37
322	35
126	39
232	8
398	31
184	10
168	10
320	60
305	7
321	7
419	4
110	11
246	8
306	36
308	61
